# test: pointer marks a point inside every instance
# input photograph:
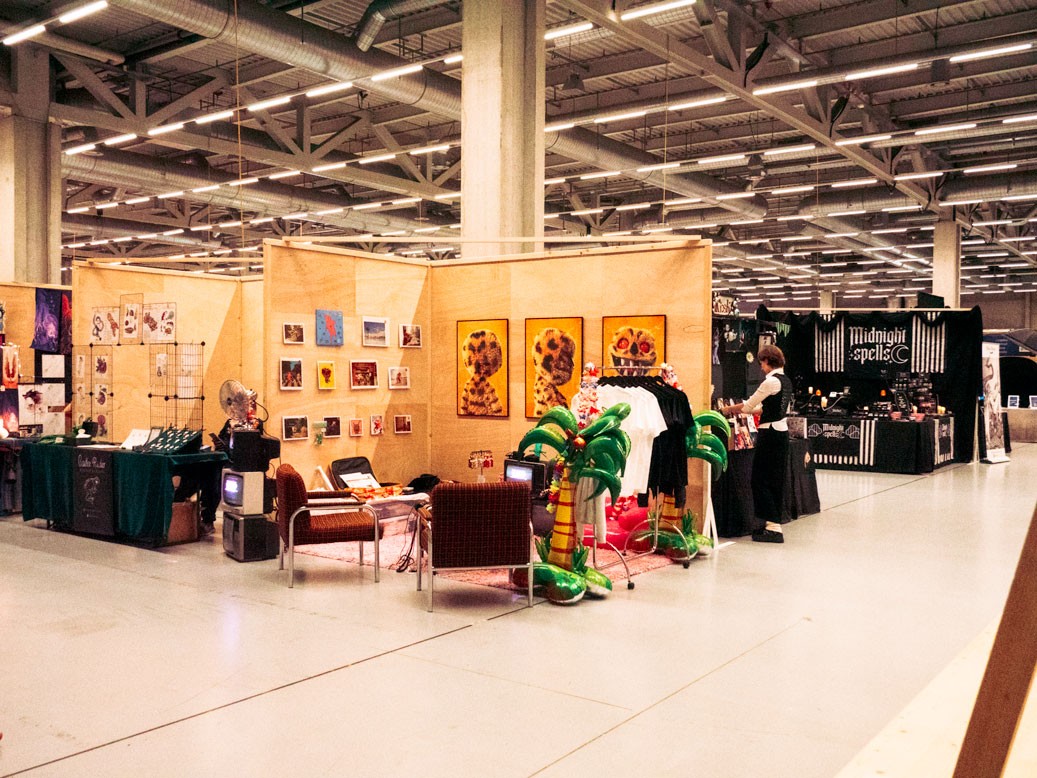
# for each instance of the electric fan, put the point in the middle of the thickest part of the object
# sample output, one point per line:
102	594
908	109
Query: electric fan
239	404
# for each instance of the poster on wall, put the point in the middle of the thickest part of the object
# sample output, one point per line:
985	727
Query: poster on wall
633	344
130	313
993	427
325	375
104	325
9	409
159	323
482	367
291	374
295	428
47	330
329	327
554	355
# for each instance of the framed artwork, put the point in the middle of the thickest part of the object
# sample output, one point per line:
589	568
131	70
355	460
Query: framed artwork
482	368
410	336
329	327
363	374
291	374
399	378
104	325
356	428
375	331
100	367
553	361
159	323
1013	401
130	313
377	424
295	427
633	344
325	375
1033	401
293	333
333	426
401	424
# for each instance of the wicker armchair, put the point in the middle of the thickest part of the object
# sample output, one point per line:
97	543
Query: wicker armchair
307	518
477	526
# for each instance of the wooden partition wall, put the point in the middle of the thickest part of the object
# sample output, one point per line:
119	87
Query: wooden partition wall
20	321
224	313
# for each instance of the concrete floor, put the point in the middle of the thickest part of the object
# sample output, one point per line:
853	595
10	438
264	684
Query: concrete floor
763	661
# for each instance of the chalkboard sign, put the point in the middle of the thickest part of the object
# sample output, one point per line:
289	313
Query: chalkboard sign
94	494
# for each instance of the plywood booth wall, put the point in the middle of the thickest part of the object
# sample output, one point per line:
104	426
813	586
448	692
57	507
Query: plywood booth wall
297	283
224	313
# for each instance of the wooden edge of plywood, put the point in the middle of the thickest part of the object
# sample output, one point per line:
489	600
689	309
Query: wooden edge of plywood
108	267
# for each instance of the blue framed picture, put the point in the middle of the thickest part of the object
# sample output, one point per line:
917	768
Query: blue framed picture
329	327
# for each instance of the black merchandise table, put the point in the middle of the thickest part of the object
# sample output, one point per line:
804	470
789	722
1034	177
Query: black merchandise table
127	493
881	445
733	496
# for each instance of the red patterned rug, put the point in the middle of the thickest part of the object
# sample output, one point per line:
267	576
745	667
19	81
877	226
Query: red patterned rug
397	542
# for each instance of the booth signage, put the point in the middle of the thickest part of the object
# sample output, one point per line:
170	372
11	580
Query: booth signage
724	305
93	497
835	438
870	350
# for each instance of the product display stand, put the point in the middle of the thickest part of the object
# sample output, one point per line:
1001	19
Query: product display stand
175	383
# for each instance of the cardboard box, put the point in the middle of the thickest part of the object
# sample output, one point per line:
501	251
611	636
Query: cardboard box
183	526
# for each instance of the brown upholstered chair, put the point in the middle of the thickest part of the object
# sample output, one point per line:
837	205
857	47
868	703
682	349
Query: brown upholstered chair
477	526
307	518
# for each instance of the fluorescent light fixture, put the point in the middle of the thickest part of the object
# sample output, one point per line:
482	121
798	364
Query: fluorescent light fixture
447	196
215	117
120	240
854	182
841	235
681	201
429	149
748	221
243	181
120	139
973	242
847	213
997	52
991	254
570	29
99	242
633	207
75	246
657	229
913	176
273	102
1016	119
330	89
862	139
1016	264
24	35
296	215
82	11
263	220
648	10
209	188
406	200
992	223
660	166
890	231
721	158
792	218
336	166
735	196
559	127
427	229
602	174
176	231
989	168
80	209
790	149
166	128
284	174
790	87
551	181
396	72
80	149
228	225
586	211
453	59
1021	197
699	103
902	208
617	117
105	206
793	189
147	236
887	71
366	206
376	158
948	128
328	212
168	195
949	203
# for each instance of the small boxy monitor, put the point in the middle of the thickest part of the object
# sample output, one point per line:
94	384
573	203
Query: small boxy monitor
533	473
242	492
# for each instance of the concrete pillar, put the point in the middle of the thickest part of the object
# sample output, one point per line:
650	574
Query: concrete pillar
30	175
947	262
502	125
826	301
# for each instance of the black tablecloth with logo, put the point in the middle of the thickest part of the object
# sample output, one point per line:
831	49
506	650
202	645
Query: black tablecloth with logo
881	445
733	496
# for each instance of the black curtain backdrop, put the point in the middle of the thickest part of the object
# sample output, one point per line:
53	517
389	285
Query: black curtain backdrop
957	387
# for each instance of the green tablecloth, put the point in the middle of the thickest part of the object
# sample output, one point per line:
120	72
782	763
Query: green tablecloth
142	484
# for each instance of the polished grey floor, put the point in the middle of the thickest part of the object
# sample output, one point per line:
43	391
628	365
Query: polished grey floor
763	661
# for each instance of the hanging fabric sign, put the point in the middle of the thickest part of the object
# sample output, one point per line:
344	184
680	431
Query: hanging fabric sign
870	350
871	346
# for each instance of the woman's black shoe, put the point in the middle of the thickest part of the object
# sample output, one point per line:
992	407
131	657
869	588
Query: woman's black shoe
768	536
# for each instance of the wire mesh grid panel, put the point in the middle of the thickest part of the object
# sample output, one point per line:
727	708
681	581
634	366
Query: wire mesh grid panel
93	373
175	388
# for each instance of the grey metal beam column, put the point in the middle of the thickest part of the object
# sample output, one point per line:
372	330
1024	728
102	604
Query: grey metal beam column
30	175
502	125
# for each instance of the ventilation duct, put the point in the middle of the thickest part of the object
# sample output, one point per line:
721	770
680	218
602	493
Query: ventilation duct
382	11
101	227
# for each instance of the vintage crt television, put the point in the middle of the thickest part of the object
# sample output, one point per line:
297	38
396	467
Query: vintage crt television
251	449
242	492
533	473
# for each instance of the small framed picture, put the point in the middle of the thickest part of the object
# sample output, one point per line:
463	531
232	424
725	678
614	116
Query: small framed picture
291	374
363	374
295	427
333	426
1033	401
377	424
401	424
356	428
293	333
399	378
325	375
375	331
329	327
410	336
1013	401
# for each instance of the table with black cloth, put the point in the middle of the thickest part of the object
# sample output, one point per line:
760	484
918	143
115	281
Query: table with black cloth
141	484
733	494
881	445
